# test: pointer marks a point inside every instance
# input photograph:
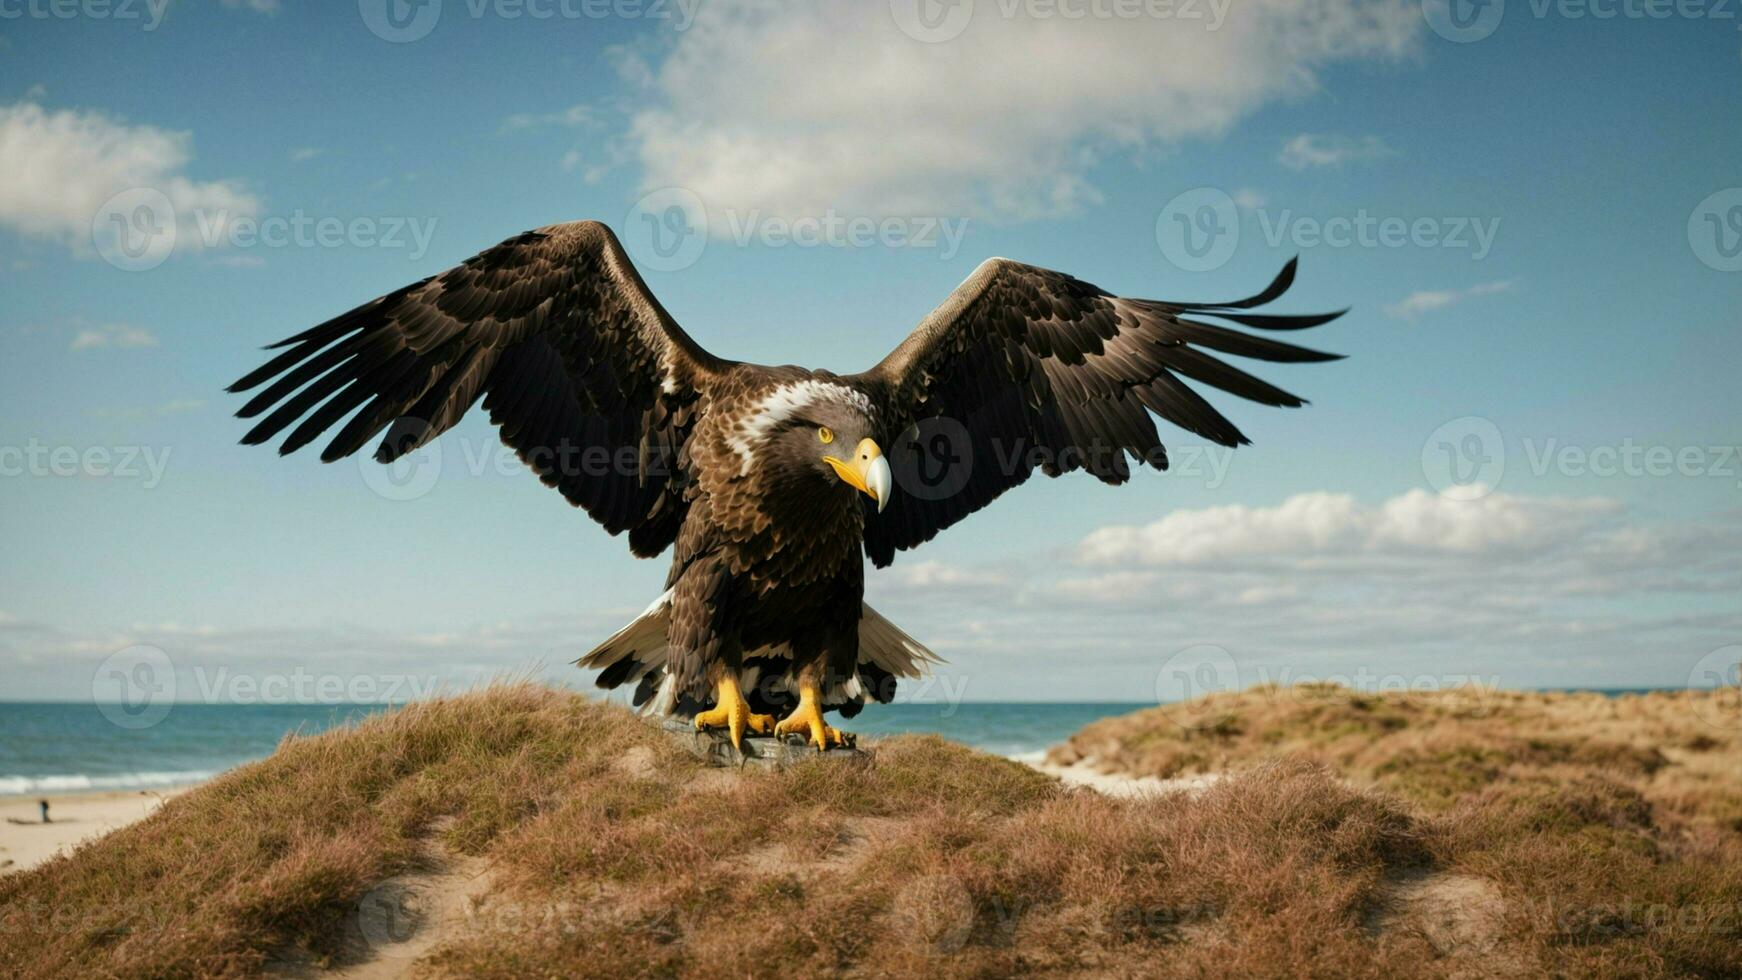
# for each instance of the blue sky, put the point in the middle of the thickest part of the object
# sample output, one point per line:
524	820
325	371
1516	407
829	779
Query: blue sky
1569	298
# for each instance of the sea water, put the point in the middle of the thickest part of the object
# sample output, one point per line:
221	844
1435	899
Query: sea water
77	748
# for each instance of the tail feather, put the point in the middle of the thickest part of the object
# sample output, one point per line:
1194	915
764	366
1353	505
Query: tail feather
890	647
633	651
637	654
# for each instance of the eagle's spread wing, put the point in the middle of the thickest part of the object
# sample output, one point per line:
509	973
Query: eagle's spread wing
1031	368
588	378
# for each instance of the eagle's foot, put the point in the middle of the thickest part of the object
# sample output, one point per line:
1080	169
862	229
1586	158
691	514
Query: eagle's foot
732	713
807	720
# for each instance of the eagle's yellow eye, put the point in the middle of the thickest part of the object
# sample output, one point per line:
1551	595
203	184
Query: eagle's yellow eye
826	434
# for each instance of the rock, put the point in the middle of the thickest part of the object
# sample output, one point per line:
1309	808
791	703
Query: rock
761	751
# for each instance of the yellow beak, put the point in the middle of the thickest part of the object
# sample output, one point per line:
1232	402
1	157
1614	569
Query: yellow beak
867	471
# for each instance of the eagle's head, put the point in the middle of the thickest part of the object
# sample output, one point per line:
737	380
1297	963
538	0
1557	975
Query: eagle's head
816	431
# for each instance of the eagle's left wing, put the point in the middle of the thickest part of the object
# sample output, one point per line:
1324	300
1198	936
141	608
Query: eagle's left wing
1024	368
586	376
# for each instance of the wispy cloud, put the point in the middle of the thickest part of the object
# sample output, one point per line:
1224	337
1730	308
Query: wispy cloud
1429	300
1318	527
1310	150
1531	589
1249	199
1006	119
113	335
573	116
1511	572
303	154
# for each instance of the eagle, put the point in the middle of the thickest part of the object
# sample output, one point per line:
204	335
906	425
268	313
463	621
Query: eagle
770	486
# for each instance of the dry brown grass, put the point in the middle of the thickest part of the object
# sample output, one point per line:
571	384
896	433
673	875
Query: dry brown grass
1610	829
594	846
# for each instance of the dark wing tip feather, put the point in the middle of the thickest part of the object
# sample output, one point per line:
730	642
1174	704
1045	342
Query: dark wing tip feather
294	338
1279	285
255	378
1284	279
1278	321
402	436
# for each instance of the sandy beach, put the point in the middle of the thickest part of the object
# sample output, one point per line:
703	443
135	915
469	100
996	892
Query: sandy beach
25	841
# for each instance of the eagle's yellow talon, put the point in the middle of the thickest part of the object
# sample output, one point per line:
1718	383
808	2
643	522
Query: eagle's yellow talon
807	720
732	712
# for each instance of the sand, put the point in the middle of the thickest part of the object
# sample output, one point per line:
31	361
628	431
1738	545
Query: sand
25	841
1110	784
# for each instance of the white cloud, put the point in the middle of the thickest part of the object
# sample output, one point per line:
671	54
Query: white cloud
113	335
58	168
1516	589
795	108
937	574
305	153
593	159
1322	526
573	116
1422	301
1429	300
1318	150
1249	199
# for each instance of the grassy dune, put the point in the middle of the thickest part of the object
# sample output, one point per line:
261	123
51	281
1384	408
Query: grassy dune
525	832
1607	832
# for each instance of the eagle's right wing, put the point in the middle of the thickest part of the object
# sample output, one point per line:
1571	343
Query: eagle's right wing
588	378
1032	369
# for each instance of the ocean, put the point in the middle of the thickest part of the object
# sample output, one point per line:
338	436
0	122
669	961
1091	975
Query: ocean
50	748
76	748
